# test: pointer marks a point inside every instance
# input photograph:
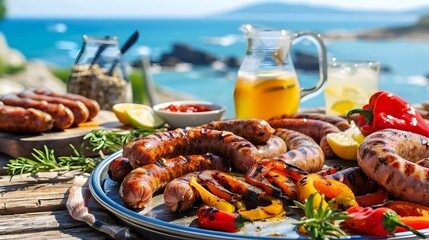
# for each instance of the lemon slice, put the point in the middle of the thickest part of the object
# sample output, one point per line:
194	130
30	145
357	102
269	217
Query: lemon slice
354	94
343	107
144	118
345	144
348	97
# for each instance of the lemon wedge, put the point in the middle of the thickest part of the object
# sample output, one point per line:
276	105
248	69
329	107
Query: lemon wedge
144	118
345	144
120	108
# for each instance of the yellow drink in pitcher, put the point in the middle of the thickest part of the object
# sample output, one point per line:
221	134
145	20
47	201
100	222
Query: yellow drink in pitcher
266	95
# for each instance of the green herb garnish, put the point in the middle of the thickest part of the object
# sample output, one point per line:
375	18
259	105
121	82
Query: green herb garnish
320	223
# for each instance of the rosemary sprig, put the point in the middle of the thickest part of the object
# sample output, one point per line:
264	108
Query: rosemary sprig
99	139
46	161
320	223
114	140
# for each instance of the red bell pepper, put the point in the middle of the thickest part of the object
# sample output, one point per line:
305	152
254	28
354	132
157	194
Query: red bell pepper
380	221
387	110
213	218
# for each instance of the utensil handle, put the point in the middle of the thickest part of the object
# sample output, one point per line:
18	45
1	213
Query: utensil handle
323	62
130	41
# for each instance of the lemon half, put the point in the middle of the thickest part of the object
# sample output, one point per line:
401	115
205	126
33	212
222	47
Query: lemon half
345	144
144	118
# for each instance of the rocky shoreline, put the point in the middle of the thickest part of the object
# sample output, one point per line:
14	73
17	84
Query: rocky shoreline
36	73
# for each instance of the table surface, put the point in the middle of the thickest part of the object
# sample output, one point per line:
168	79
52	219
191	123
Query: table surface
34	207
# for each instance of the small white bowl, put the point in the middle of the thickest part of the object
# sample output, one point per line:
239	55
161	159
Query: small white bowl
189	119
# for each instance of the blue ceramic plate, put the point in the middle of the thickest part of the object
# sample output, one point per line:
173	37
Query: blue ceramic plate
157	222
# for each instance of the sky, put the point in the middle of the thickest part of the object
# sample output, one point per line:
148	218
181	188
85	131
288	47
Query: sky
175	8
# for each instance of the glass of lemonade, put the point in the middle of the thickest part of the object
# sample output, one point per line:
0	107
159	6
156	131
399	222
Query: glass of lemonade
350	84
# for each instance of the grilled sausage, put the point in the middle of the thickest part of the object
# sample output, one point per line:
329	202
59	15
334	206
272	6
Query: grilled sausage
274	147
177	142
303	150
92	105
119	169
21	120
356	180
389	157
256	131
316	129
62	115
80	111
179	195
139	185
339	122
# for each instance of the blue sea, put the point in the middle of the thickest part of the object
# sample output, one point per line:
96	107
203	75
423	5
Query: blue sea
57	41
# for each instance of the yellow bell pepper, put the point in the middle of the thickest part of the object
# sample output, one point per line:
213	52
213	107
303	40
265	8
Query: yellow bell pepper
269	211
211	199
315	184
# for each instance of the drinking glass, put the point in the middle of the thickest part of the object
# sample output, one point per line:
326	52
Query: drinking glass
350	84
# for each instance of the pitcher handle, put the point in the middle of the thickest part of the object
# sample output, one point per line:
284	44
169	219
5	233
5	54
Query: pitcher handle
323	63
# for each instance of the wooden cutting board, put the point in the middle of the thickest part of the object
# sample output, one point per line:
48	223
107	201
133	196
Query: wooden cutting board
16	145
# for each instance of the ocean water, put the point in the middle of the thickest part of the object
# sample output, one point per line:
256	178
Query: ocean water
57	41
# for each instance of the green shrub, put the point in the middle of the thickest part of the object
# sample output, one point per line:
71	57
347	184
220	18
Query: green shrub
62	73
11	69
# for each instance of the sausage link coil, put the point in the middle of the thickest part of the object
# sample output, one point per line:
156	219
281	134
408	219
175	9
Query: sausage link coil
316	129
389	157
303	150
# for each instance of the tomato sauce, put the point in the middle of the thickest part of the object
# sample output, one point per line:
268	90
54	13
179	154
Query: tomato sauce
187	108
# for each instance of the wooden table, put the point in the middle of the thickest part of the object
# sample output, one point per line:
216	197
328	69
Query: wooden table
34	207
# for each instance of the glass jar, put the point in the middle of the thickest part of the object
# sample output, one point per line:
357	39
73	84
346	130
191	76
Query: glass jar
99	73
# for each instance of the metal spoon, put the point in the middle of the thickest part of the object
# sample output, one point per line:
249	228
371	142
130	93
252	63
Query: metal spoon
130	41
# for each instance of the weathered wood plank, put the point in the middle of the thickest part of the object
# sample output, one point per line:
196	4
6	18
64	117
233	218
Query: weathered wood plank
64	234
31	193
40	221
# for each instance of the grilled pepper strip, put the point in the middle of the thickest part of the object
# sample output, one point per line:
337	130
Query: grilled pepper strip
269	211
387	110
211	199
405	209
315	184
372	199
416	222
213	218
380	221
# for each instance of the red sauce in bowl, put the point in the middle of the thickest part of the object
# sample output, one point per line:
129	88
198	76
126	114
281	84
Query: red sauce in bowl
187	108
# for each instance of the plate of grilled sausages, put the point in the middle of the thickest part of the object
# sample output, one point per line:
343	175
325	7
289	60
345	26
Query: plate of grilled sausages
147	184
36	117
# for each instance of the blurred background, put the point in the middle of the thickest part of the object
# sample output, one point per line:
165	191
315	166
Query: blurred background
195	47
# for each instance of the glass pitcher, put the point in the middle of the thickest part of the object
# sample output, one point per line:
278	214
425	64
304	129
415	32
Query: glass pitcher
267	85
99	72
